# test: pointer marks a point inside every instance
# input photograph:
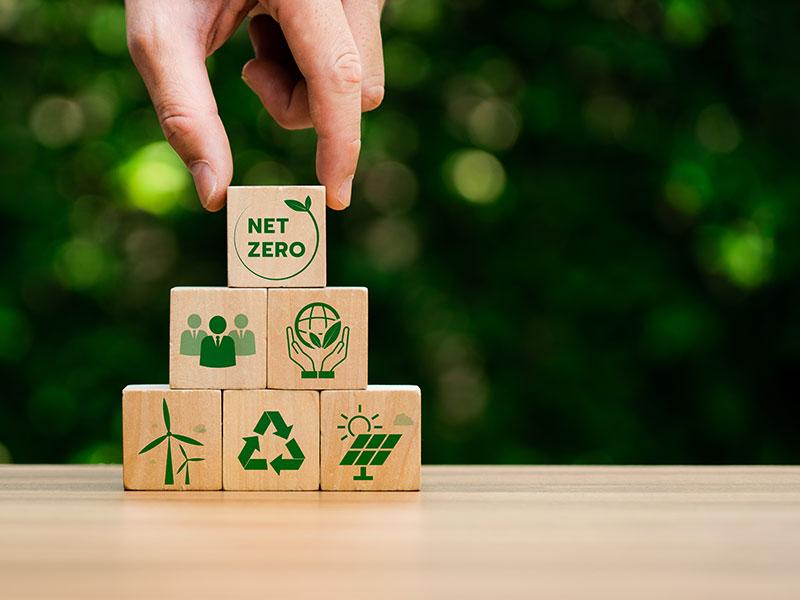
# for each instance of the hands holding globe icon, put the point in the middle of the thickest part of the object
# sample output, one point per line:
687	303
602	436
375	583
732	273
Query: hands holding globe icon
318	343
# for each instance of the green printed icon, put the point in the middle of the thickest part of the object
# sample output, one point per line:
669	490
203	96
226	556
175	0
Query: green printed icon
185	464
218	349
318	343
252	445
243	339
367	449
169	477
403	420
192	337
268	246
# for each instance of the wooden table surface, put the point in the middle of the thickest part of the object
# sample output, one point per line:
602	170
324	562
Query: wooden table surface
474	532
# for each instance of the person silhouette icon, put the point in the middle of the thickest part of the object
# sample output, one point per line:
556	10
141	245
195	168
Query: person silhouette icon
217	350
243	339
191	338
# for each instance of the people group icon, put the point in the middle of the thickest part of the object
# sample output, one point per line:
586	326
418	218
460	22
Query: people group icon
217	349
244	339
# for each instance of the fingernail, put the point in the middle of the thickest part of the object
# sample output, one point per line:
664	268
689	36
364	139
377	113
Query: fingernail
344	192
204	180
244	72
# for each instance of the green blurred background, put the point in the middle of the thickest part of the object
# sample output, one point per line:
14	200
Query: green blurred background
574	218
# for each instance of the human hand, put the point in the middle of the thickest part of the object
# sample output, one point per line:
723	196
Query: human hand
299	357
318	63
338	354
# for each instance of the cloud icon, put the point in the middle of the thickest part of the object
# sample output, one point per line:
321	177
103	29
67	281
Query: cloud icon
403	420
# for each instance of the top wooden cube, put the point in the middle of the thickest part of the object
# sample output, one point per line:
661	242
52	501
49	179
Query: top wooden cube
276	236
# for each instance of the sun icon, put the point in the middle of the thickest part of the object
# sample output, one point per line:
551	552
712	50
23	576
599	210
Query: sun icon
358	424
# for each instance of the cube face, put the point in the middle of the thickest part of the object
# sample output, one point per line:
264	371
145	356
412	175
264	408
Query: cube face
276	236
317	338
218	338
171	439
270	440
370	439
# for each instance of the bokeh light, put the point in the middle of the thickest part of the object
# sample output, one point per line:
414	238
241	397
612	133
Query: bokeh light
688	188
686	22
494	124
717	130
390	186
155	179
392	243
742	254
107	29
413	15
476	175
81	263
151	252
9	10
56	121
463	394
268	172
406	64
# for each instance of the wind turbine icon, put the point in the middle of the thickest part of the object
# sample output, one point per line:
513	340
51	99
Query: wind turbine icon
169	478
185	464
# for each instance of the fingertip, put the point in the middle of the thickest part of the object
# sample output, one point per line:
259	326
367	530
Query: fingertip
336	166
334	205
339	198
217	203
345	191
372	97
212	195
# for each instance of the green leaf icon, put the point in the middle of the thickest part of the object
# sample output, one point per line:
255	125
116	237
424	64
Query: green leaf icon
332	334
308	202
315	339
296	206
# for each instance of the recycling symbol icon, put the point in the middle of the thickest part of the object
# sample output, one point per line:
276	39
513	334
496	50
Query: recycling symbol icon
252	445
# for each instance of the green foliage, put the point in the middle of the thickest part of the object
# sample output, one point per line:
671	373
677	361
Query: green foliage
575	220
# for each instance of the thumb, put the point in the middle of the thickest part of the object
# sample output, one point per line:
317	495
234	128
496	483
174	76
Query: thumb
176	78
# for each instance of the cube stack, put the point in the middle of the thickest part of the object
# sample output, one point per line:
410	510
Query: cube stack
268	386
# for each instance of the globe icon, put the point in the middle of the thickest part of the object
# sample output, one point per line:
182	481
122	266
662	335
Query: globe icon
317	325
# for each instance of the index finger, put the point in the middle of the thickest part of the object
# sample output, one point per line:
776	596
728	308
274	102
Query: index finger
323	47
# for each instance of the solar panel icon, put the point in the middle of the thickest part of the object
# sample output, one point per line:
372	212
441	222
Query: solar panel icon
369	449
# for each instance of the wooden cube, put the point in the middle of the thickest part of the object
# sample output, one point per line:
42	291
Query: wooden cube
370	439
218	338
171	439
270	440
276	236
317	338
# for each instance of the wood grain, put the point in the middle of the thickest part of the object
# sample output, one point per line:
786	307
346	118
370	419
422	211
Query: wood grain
264	255
378	410
283	306
242	410
250	371
194	414
473	532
